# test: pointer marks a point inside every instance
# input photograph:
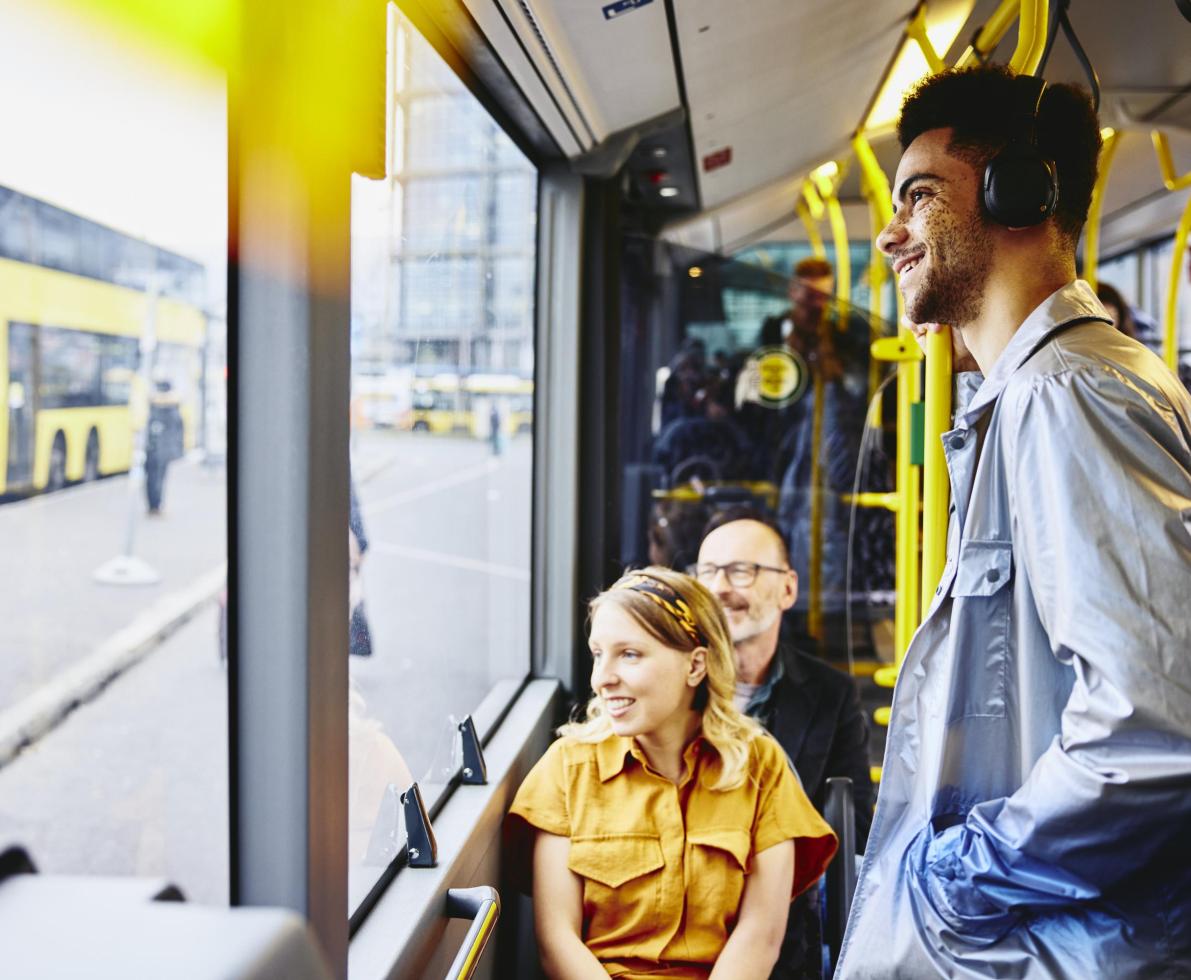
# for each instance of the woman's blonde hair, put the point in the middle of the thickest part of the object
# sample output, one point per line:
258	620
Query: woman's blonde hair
687	617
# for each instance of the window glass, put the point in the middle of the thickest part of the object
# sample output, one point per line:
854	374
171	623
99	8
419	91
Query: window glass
442	416
753	386
113	693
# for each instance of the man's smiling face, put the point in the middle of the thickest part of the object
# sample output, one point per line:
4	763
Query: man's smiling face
939	240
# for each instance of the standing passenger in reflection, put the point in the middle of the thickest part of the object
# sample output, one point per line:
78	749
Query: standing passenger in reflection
668	832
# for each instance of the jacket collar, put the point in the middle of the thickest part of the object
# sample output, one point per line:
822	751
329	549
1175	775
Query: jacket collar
1075	301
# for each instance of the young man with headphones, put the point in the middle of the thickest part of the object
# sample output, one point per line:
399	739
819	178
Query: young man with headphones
1034	808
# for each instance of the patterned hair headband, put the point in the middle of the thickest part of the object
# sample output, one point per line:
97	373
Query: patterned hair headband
669	600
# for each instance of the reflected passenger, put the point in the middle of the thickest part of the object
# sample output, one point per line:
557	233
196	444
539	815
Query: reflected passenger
668	831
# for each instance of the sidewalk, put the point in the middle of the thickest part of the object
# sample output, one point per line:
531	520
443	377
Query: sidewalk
64	636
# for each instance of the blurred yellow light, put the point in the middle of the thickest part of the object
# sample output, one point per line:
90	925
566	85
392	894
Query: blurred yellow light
1107	133
909	67
694	272
826	171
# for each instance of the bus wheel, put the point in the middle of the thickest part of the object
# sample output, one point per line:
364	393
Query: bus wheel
421	426
57	476
91	461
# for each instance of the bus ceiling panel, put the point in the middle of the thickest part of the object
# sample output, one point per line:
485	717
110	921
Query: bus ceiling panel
608	67
780	90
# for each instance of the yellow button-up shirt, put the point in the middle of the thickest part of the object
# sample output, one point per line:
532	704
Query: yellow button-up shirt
664	864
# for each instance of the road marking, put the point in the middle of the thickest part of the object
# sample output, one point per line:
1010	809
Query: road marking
34	716
452	561
426	489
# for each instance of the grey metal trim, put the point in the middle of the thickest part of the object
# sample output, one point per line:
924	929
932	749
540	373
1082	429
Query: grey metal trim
288	522
556	423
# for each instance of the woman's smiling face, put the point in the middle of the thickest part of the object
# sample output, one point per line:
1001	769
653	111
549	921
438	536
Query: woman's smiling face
646	687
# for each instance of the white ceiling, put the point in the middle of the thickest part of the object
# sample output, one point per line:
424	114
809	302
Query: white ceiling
784	83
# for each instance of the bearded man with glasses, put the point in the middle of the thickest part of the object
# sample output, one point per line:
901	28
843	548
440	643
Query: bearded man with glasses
812	709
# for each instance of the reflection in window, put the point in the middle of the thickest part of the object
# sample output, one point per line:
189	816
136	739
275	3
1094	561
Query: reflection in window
442	410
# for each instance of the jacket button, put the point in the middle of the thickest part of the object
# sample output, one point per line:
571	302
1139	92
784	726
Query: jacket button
993	575
957	442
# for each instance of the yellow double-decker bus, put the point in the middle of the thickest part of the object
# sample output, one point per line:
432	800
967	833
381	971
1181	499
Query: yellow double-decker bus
446	403
77	302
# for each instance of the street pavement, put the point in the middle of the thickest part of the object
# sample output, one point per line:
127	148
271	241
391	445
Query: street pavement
135	780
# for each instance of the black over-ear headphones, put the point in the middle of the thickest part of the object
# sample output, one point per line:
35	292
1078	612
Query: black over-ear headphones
1021	187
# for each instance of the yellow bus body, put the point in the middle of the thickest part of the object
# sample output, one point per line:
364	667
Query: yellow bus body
46	297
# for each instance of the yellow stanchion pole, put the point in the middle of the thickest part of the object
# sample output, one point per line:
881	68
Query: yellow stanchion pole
1091	239
1031	36
1173	182
1170	347
935	485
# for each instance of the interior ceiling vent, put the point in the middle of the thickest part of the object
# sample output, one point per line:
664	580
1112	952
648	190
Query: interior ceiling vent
536	26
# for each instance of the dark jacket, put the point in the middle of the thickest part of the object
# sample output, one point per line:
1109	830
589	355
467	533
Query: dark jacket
814	712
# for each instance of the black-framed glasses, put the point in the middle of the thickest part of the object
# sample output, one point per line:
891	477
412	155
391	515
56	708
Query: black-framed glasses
740	573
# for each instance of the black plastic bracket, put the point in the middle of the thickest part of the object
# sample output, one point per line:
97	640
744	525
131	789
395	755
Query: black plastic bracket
475	770
421	847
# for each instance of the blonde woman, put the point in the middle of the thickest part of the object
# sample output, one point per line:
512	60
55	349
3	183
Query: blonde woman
667	829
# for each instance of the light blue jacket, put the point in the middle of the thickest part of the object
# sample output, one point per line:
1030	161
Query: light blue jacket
1034	816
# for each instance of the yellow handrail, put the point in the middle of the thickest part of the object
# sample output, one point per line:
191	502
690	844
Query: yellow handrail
1166	163
812	230
916	30
936	488
1031	37
990	35
1091	244
1170	349
814	613
1173	182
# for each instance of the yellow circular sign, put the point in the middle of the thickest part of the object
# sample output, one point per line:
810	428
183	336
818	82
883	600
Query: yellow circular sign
774	376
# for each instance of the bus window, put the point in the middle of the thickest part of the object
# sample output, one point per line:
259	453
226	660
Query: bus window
113	203
757	393
442	269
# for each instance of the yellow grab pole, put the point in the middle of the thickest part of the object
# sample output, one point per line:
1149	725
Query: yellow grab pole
908	392
1091	243
1031	36
1173	182
995	28
935	485
904	351
875	189
1170	348
916	29
839	238
814	618
1170	179
812	230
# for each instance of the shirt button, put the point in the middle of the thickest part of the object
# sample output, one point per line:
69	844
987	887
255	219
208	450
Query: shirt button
993	575
957	441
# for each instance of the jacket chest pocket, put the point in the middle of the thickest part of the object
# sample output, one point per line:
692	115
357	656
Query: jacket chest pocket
717	860
980	629
622	882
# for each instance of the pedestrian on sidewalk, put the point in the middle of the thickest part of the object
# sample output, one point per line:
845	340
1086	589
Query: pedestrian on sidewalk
163	442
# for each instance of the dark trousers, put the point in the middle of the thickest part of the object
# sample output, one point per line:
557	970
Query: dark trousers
154	480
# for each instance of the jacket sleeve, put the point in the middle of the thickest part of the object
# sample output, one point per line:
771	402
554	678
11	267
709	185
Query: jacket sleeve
1099	477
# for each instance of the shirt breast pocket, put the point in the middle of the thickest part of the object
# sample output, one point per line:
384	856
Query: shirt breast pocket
980	629
621	883
717	860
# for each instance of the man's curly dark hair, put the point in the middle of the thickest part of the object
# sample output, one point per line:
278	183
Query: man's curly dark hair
984	107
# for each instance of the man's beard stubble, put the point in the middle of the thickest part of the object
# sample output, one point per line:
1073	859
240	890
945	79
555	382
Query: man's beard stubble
953	293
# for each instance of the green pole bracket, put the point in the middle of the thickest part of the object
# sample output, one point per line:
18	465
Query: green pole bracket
917	433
